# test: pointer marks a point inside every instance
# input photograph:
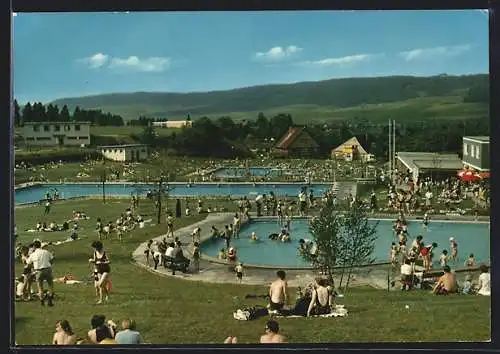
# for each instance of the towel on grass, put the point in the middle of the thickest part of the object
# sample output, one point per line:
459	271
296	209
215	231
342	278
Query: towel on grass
339	311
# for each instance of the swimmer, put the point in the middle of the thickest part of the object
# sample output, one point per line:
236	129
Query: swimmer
425	222
394	252
253	237
286	237
273	236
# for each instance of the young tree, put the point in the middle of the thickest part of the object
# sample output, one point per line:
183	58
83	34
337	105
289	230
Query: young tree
359	240
345	240
326	230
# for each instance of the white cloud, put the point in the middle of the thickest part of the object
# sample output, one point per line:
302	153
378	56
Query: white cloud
430	53
277	53
134	63
95	61
342	61
152	64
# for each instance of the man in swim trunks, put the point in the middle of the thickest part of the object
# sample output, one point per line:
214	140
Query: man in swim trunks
278	292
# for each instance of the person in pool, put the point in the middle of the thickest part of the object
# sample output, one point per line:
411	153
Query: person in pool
253	237
425	222
286	237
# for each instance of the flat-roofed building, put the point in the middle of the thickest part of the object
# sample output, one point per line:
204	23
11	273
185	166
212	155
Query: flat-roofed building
173	124
56	133
476	152
125	153
421	163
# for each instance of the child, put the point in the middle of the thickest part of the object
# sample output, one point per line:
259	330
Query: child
467	289
239	271
394	252
470	262
454	249
443	259
288	222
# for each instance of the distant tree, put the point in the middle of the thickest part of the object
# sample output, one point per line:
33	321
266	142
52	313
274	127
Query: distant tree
39	113
27	113
261	126
148	135
77	115
52	113
279	125
64	115
477	94
17	114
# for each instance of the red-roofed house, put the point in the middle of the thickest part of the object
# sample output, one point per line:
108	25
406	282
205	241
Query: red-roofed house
297	142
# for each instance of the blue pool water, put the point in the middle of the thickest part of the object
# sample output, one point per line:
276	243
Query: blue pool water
36	193
471	238
255	171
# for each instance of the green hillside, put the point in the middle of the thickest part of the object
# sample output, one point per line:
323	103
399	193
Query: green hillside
372	98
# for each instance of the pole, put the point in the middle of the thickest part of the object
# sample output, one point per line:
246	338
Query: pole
159	199
390	153
394	145
103	184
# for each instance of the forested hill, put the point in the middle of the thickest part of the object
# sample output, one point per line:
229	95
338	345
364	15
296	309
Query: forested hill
340	93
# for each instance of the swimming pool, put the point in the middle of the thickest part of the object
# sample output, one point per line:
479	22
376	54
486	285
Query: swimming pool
71	190
471	238
256	171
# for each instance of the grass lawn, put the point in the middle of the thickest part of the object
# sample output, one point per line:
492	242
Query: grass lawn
170	310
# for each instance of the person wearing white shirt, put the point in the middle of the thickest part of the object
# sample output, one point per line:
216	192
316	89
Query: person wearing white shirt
41	260
170	252
406	275
484	283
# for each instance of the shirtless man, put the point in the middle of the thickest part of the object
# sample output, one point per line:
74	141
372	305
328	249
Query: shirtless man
272	335
447	283
278	292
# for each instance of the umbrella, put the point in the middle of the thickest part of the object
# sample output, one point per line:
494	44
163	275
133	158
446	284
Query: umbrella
468	176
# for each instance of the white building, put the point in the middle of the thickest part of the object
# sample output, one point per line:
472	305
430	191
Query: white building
173	124
131	152
56	133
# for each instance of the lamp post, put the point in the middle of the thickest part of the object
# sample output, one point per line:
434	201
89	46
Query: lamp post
103	181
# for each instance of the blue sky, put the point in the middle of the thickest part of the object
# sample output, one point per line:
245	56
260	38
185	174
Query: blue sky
59	55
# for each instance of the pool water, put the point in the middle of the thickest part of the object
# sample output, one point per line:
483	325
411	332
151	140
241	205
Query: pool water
37	192
255	171
470	237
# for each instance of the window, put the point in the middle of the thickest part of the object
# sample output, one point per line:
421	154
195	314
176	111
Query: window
477	152
36	128
57	128
466	152
71	137
67	127
46	128
121	151
83	137
77	127
143	150
43	138
30	138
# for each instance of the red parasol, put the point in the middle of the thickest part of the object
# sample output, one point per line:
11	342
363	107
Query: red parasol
468	175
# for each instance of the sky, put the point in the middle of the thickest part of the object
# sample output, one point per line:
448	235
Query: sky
58	55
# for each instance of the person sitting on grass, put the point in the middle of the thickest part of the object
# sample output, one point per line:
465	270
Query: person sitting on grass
129	334
467	288
64	334
322	298
484	283
271	334
100	329
231	340
447	283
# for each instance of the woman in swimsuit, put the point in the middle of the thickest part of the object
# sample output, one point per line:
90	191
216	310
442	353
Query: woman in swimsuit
102	270
322	298
64	334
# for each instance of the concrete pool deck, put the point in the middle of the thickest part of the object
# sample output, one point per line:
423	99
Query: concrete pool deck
217	272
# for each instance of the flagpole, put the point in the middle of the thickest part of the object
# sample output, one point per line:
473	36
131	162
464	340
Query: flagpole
390	156
394	146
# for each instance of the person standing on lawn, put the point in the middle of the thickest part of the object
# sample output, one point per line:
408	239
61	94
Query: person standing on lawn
41	259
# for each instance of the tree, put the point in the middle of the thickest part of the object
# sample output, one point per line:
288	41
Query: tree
148	135
52	113
344	240
326	232
359	241
17	114
27	113
64	115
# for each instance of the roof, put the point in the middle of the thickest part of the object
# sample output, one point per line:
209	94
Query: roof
481	139
430	160
351	142
121	146
292	134
67	122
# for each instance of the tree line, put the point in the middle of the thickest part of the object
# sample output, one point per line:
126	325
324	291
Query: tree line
38	112
226	138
